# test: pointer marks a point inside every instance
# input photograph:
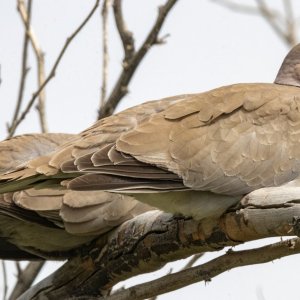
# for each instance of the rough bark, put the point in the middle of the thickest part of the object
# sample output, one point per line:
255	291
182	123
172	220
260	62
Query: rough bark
150	240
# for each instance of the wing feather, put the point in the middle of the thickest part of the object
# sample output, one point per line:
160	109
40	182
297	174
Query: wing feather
204	141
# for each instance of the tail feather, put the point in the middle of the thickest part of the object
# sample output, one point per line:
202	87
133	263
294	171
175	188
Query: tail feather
106	182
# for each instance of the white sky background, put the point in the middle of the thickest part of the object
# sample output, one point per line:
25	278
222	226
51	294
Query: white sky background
209	46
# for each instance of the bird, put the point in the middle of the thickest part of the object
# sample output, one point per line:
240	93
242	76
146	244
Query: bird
195	155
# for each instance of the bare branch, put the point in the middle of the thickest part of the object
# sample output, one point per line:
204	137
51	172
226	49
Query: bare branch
125	35
284	26
42	96
237	7
25	278
25	68
18	267
41	66
53	70
105	56
121	87
270	18
205	272
5	286
192	261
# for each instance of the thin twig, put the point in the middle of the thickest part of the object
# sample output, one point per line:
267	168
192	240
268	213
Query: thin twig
238	7
5	286
284	26
24	69
121	87
53	70
205	272
40	64
18	267
192	261
270	18
25	278
42	96
105	56
125	35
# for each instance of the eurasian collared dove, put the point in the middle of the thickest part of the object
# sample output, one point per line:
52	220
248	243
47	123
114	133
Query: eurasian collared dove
195	154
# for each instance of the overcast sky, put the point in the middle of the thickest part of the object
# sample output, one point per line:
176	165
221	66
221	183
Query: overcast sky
209	46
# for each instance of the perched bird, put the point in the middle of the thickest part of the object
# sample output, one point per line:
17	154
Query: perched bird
194	154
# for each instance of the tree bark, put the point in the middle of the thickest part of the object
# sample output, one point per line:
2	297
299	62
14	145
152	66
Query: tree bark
149	241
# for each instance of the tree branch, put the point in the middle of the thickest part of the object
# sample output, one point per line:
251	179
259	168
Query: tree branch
5	286
53	70
148	241
105	56
134	58
40	63
125	35
291	36
237	7
25	278
269	17
24	71
192	261
230	260
283	25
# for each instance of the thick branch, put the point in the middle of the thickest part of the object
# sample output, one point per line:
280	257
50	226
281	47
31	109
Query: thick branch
130	66
139	245
205	272
53	70
150	240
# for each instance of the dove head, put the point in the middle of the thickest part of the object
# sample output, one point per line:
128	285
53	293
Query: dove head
289	72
